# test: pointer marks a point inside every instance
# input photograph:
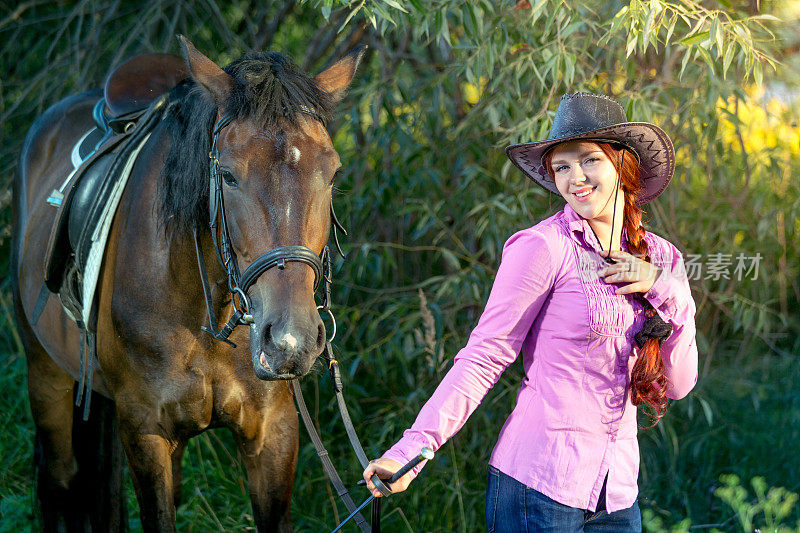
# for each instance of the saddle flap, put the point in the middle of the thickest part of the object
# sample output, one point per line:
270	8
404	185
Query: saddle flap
137	82
58	245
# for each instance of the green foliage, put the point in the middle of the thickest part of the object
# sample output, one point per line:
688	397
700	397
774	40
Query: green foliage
429	199
775	505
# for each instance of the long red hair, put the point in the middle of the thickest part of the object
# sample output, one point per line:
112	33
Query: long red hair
648	382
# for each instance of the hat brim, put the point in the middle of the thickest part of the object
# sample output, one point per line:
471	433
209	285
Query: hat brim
651	144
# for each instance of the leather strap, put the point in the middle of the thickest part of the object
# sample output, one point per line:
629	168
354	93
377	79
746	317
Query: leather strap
278	257
212	316
337	226
327	465
41	301
355	443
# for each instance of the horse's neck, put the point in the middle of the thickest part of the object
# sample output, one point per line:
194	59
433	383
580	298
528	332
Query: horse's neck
173	253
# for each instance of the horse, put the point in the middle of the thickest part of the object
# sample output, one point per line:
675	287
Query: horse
159	377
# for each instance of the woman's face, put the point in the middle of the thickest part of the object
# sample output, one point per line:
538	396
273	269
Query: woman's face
586	178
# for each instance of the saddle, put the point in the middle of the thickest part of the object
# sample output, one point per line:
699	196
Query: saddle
133	102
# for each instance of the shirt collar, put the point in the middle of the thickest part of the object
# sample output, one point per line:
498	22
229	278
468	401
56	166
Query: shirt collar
579	224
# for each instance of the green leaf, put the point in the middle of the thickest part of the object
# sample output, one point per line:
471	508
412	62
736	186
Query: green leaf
550	19
685	61
726	61
493	116
350	16
706	57
631	46
385	15
616	24
396	5
470	21
450	258
716	32
707	411
758	73
571	29
648	25
695	39
671	28
536	10
766	17
569	73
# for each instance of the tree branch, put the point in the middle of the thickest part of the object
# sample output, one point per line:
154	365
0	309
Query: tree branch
264	39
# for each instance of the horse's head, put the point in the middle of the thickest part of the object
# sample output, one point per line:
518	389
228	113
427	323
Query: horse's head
277	166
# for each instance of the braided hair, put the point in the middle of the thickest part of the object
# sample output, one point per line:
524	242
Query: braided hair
648	381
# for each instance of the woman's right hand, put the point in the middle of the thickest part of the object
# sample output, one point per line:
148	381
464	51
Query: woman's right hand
385	468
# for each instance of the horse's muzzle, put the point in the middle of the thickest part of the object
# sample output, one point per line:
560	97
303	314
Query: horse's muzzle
286	357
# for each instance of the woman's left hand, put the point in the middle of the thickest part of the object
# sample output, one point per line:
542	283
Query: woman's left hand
637	273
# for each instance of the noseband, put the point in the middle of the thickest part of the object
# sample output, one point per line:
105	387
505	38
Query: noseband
240	283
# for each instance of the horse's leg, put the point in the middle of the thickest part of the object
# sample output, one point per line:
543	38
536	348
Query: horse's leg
270	457
50	390
80	464
101	465
177	473
150	460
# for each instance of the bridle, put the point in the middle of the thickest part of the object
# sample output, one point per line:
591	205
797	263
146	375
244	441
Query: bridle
239	283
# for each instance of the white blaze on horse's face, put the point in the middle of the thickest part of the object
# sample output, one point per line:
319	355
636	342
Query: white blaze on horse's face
294	154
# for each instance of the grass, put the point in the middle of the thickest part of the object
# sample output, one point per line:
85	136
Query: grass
739	420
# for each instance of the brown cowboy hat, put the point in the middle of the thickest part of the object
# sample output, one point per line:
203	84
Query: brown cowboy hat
594	117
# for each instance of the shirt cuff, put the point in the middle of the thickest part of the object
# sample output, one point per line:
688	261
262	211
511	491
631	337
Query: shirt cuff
666	295
405	450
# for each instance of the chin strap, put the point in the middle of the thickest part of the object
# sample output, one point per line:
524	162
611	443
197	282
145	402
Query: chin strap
654	326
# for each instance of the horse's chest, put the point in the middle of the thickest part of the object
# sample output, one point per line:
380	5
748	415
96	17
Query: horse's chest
238	399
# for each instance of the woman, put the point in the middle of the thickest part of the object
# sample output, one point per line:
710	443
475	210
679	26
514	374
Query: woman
600	333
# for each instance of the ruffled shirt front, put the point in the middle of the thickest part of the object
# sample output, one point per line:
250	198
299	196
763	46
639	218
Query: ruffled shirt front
573	422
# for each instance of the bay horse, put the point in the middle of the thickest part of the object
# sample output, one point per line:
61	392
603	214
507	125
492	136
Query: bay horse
160	379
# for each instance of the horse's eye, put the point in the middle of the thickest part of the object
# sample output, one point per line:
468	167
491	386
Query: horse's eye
229	178
336	175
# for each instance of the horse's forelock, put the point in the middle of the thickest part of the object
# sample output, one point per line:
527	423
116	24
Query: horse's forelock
267	87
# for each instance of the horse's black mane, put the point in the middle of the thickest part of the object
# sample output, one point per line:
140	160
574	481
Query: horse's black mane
267	86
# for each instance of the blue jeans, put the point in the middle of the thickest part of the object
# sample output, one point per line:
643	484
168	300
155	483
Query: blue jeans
514	508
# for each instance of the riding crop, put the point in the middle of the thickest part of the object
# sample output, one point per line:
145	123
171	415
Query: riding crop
424	454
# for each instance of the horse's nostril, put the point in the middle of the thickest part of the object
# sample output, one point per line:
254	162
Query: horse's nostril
320	334
266	336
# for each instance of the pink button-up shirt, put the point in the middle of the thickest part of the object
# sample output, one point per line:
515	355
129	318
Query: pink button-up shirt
574	420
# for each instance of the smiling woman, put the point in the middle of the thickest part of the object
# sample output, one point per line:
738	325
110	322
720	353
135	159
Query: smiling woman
597	338
586	173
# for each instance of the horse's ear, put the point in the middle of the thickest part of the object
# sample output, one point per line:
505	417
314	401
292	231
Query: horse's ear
206	72
336	78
